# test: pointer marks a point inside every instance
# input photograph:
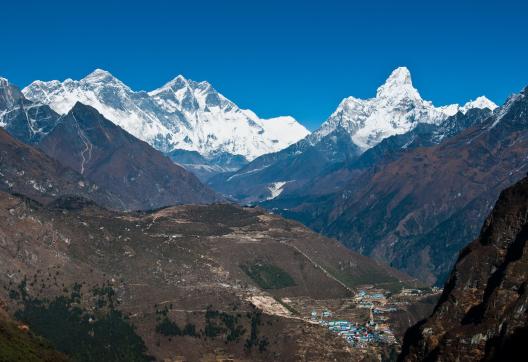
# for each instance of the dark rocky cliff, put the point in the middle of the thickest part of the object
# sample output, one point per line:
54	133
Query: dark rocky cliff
483	312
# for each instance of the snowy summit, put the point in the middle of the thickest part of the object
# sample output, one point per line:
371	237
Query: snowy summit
182	114
397	108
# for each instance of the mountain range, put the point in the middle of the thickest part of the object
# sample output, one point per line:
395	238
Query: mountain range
414	200
98	256
108	245
318	180
113	167
183	116
397	108
355	127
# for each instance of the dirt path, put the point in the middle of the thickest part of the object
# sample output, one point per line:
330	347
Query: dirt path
314	263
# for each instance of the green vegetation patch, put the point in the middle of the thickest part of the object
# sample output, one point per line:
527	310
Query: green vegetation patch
222	324
17	345
254	340
268	276
101	334
219	325
169	328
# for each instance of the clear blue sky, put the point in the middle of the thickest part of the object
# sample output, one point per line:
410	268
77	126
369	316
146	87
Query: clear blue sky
275	57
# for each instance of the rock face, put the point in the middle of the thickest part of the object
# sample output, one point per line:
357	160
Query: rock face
356	126
483	312
27	171
23	119
105	154
182	114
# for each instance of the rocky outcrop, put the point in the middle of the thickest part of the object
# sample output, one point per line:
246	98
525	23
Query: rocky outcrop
483	311
25	120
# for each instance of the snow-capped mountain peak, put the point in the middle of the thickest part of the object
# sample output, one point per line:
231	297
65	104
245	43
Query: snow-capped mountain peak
101	78
480	102
397	108
175	84
398	85
99	75
182	114
190	96
222	120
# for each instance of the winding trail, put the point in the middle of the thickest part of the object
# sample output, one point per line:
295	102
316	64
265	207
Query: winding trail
87	146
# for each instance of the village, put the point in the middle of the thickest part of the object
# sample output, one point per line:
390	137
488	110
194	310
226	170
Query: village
367	320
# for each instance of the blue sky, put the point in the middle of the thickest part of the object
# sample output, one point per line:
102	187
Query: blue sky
275	57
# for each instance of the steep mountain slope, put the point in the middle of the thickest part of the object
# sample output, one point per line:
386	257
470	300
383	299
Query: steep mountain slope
182	114
355	127
268	176
25	120
418	211
142	177
483	312
332	180
192	264
25	170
